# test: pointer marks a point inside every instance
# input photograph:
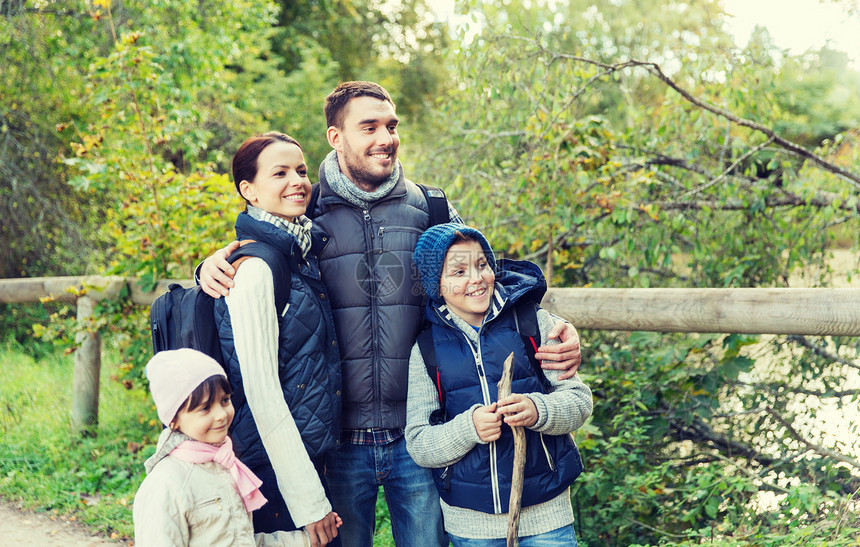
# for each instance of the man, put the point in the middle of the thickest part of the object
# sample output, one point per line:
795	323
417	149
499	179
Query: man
375	216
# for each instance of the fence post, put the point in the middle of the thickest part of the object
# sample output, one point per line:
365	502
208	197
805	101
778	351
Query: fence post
88	362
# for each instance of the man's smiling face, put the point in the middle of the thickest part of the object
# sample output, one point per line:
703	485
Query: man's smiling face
367	143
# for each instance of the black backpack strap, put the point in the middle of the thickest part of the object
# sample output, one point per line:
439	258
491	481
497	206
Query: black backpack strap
428	353
312	202
277	261
437	204
525	317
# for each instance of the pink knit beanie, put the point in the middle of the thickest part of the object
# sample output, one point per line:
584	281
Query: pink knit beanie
174	374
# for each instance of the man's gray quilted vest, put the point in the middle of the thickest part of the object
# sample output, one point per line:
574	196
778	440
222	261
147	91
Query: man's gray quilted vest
376	297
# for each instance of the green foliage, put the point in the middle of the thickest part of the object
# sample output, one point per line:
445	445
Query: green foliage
397	44
146	157
382	536
566	151
655	452
43	468
555	128
40	85
92	479
17	321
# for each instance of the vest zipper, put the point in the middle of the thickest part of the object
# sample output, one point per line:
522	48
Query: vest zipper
371	283
485	391
549	459
446	479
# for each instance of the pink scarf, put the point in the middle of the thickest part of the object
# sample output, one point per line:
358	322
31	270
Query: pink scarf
247	482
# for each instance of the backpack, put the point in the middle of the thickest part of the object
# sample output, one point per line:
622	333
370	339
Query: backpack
185	318
525	317
437	203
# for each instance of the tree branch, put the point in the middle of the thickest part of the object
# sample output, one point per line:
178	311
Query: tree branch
726	172
655	69
820	199
821	352
700	432
788	145
824	451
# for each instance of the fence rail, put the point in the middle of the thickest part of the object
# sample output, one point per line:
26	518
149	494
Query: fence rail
821	312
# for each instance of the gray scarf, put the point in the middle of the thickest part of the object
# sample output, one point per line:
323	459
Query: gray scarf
347	189
300	227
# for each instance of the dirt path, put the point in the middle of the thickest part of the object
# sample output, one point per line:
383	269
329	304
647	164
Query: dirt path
19	528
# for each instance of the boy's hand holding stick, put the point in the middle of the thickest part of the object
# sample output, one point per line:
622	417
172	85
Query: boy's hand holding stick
519	460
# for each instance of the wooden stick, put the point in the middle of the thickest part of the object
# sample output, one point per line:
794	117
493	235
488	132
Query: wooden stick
515	503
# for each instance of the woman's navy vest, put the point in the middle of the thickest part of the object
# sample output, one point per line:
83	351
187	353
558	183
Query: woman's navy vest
552	462
308	361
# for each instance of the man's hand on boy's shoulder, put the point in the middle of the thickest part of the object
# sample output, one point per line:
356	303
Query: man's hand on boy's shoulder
216	274
565	355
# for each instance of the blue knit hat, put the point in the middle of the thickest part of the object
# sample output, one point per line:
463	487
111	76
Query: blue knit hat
432	247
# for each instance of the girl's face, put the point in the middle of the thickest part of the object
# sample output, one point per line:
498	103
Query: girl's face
467	281
281	186
209	422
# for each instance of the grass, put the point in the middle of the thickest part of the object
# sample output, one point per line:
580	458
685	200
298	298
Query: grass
45	468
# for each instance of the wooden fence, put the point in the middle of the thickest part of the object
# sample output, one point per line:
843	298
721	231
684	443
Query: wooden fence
820	312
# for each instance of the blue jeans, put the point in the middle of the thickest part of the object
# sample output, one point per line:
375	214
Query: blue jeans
355	473
560	537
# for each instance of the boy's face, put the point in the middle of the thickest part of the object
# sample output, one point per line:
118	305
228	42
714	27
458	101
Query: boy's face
209	422
467	281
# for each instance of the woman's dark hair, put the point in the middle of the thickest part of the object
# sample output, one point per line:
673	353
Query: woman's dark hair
205	393
245	159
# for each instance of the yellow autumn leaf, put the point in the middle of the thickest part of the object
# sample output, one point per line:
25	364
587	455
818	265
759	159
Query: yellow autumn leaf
102	4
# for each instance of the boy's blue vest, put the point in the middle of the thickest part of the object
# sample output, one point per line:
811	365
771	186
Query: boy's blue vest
482	479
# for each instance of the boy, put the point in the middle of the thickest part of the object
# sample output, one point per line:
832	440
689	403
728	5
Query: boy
466	437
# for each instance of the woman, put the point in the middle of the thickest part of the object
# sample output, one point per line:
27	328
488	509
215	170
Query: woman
283	364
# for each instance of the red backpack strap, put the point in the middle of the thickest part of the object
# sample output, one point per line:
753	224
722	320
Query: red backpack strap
525	316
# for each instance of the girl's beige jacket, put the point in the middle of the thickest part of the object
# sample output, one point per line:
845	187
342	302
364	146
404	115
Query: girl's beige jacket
185	504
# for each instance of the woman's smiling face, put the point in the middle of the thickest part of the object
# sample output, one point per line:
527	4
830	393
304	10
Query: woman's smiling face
281	186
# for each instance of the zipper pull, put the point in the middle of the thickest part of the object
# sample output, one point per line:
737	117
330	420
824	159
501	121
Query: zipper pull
218	503
367	220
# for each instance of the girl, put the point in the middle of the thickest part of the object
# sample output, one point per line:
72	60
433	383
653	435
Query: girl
473	317
196	493
283	364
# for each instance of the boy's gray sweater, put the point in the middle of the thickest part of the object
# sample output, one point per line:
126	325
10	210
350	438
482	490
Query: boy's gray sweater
560	412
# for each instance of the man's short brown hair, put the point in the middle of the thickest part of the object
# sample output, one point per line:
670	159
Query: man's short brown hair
335	103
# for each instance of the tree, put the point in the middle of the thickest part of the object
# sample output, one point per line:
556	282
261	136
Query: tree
398	44
39	87
646	158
